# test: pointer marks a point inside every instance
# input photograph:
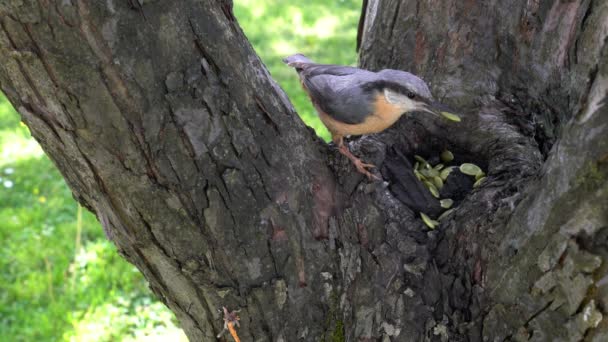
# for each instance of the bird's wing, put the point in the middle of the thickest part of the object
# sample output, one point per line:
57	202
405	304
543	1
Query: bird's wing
338	91
313	69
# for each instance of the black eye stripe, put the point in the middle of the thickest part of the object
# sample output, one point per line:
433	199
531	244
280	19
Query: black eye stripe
396	87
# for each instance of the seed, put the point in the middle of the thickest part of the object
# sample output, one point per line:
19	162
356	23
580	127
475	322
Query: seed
479	181
429	173
470	169
438	167
428	221
432	189
446	172
450	116
446	203
423	163
445	214
446	156
438	182
480	175
417	166
419	175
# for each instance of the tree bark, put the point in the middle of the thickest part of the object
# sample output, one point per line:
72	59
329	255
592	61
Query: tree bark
167	126
525	256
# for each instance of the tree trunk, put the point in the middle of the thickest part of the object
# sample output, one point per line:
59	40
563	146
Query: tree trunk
525	256
166	124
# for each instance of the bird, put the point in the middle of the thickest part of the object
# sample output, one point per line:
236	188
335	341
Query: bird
354	101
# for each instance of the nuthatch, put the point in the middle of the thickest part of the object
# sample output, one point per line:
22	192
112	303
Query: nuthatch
353	101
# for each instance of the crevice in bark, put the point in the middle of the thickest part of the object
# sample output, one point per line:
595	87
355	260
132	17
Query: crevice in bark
44	117
583	25
391	25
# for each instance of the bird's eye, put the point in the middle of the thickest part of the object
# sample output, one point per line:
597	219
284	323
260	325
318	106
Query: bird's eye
410	94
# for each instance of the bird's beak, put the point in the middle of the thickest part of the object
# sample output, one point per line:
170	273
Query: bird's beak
439	109
433	107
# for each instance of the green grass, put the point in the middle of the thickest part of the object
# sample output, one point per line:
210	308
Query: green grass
325	31
60	278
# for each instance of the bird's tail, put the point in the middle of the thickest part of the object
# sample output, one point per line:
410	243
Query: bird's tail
297	61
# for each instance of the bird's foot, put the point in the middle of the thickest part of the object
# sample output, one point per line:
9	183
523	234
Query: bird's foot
362	168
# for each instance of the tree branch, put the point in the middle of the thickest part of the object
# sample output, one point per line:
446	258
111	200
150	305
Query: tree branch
166	124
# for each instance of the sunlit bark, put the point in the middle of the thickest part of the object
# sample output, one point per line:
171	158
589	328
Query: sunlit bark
167	126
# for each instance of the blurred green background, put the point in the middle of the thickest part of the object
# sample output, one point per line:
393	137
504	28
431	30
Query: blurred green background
60	278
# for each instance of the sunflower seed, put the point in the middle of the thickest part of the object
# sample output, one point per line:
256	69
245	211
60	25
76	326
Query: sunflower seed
446	203
428	221
419	175
429	173
445	214
438	182
432	188
446	172
470	169
446	156
479	181
450	116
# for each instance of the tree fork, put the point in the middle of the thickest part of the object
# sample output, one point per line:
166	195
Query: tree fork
165	124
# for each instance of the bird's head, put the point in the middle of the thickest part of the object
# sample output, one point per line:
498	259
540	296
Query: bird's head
408	92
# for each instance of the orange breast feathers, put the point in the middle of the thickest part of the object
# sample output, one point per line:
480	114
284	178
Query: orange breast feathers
383	116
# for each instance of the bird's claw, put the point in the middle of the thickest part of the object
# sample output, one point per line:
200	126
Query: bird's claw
362	168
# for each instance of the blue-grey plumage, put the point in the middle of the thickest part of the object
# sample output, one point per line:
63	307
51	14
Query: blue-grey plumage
353	101
347	94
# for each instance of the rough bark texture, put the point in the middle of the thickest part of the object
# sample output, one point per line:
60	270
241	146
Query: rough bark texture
524	257
166	125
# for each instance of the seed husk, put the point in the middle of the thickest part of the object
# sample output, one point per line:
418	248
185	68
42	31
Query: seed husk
446	156
438	182
429	173
417	166
446	203
446	172
422	162
470	169
419	175
479	181
432	188
428	221
438	167
445	214
450	116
